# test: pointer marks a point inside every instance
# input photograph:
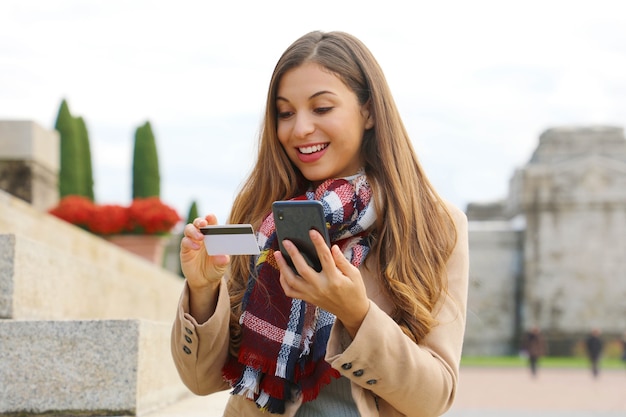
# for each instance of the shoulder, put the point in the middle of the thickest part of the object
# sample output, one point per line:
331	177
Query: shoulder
458	216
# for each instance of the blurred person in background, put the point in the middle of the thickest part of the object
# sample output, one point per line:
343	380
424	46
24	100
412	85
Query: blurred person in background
624	348
535	347
594	346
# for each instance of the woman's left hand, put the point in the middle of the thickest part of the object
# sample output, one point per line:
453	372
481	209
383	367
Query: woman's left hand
338	288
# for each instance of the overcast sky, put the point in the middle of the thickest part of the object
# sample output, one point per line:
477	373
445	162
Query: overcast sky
476	81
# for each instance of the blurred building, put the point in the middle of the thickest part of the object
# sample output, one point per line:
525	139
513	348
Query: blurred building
553	253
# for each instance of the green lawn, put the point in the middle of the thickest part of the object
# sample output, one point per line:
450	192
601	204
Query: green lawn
546	362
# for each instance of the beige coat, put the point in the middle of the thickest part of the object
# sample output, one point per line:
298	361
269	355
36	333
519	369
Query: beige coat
390	375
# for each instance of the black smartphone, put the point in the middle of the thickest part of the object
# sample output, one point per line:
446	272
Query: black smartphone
294	219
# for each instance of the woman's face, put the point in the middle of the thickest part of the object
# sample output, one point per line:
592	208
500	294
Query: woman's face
320	123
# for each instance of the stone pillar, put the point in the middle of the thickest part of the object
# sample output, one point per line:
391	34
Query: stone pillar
29	162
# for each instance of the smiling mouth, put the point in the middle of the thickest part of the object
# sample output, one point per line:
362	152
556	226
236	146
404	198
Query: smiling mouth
307	150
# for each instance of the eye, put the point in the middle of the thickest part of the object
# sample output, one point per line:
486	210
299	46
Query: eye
284	114
322	110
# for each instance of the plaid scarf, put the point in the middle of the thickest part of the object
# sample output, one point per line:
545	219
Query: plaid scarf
284	339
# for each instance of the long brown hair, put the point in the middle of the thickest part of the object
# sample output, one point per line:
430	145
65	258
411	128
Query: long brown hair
414	233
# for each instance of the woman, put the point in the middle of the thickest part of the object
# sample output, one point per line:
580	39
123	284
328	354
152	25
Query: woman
379	330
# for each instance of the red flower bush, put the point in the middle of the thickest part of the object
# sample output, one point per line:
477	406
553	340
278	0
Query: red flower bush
144	216
150	216
75	209
109	219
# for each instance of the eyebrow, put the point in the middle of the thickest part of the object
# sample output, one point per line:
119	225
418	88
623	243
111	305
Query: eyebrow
319	93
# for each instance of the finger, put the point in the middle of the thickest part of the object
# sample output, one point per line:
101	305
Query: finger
192	232
286	286
219	263
281	261
287	277
209	219
189	243
338	257
199	222
342	263
284	267
296	257
322	249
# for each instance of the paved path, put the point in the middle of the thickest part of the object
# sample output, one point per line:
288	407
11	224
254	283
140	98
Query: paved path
486	392
553	393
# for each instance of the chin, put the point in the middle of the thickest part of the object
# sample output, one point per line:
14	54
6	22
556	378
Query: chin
314	175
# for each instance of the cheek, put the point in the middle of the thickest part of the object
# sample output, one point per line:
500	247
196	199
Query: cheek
282	131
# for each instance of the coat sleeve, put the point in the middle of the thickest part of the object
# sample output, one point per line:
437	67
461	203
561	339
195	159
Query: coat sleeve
418	380
201	350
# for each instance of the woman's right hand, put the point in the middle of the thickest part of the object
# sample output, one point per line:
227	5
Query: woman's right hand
201	270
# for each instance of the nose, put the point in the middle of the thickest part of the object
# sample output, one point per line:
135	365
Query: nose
303	125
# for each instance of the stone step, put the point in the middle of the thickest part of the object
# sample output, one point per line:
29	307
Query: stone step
40	281
86	367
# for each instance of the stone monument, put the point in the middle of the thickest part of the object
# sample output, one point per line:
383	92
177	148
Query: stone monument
552	253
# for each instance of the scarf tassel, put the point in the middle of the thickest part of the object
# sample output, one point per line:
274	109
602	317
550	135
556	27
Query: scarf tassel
271	404
256	361
276	387
311	392
248	384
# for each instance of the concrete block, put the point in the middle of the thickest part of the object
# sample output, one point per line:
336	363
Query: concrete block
27	141
87	368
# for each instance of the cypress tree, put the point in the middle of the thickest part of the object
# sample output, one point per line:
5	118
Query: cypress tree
71	172
85	159
193	212
191	215
146	177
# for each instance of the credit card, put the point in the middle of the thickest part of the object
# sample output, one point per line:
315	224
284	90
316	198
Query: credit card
230	239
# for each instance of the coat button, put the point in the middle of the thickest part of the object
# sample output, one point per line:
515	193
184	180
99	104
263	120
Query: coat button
346	366
371	382
187	350
358	373
188	330
188	339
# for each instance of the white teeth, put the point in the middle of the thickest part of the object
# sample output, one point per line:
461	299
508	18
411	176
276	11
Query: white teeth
312	149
